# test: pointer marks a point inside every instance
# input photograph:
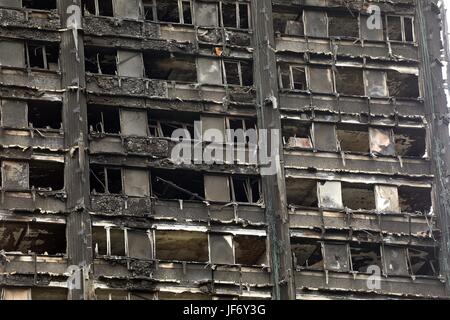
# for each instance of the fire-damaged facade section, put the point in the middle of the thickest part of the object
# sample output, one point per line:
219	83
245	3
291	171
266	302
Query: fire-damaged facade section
94	206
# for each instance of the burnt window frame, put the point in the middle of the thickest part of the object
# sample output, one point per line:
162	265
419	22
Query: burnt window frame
237	11
107	230
153	6
244	122
44	48
239	63
106	182
403	30
291	77
248	184
96	4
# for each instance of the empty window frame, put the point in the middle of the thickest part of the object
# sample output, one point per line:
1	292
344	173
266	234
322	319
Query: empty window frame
42	56
245	189
353	139
39	4
100	60
109	241
343	25
403	85
424	261
241	131
400	28
103	119
307	254
241	189
162	124
105	179
177	184
235	14
349	81
365	256
44	114
415	200
293	77
48	175
122	242
238	72
288	21
98	7
296	134
250	250
181	246
411	142
358	196
38	238
172	11
163	66
302	192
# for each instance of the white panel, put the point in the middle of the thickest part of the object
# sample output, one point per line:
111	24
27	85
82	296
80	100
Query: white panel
330	194
136	183
217	188
133	123
209	71
386	199
130	64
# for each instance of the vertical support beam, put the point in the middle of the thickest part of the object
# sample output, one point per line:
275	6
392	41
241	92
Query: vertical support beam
274	188
75	133
429	25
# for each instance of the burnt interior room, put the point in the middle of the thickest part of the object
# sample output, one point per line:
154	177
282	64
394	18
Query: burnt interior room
39	4
307	253
296	134
301	192
166	66
105	179
46	175
103	119
343	25
177	184
415	200
181	246
365	256
100	60
358	196
250	250
42	55
33	238
350	81
353	138
44	114
288	21
410	142
403	85
163	123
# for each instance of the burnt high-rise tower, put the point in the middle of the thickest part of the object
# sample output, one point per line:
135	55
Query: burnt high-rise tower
93	205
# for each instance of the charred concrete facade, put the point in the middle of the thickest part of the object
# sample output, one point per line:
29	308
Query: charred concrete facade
93	207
